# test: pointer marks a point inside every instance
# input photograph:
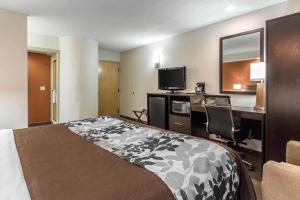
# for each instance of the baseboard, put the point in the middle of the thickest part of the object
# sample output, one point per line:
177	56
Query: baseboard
132	119
53	122
39	124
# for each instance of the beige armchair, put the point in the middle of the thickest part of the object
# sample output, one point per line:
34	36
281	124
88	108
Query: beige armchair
281	181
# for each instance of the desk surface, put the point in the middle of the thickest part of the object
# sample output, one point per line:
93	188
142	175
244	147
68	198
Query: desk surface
243	112
247	109
200	108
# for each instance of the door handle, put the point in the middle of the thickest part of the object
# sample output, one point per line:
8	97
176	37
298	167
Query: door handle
177	123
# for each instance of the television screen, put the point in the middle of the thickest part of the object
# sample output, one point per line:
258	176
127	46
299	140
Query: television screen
172	78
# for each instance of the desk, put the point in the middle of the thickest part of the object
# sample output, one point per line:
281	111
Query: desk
194	123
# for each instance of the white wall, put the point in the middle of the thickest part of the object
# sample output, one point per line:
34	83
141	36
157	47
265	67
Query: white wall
42	42
293	6
78	78
13	67
105	55
198	50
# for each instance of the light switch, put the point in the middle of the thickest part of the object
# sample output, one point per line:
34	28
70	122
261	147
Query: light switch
42	88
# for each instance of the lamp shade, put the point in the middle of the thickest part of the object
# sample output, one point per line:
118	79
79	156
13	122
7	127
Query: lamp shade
258	71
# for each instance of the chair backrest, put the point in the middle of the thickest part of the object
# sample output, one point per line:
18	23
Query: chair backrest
219	116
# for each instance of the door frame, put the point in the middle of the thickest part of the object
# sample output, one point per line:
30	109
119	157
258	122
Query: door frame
55	58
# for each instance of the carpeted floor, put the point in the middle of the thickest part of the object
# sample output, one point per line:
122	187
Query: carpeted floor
256	159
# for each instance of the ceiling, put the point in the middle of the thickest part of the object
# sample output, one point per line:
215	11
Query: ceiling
124	24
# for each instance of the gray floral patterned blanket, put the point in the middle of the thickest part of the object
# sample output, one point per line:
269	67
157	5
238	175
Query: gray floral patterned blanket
192	168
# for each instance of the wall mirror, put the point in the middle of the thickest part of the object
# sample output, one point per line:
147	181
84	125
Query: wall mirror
237	53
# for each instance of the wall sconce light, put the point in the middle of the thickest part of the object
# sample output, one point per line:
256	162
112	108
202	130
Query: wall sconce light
237	86
99	70
156	59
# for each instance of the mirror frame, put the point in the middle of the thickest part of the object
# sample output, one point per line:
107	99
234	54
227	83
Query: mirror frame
262	39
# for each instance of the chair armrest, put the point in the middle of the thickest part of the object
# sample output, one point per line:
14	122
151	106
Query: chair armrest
293	152
280	181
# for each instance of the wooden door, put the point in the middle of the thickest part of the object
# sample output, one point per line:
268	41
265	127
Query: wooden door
283	85
39	76
108	88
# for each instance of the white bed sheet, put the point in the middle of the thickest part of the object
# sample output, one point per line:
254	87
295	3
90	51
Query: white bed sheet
12	182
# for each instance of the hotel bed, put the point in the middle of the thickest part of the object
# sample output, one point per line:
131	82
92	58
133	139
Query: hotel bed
113	159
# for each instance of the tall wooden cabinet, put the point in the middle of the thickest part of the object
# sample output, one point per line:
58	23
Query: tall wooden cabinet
283	85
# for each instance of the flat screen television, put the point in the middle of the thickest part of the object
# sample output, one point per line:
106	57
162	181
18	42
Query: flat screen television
172	78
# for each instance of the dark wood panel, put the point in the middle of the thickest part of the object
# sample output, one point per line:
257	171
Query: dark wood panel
180	124
283	85
198	121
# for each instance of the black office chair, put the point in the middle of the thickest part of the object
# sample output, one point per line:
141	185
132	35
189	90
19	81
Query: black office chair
221	122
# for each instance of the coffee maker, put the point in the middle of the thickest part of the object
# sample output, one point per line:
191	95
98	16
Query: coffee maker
200	88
